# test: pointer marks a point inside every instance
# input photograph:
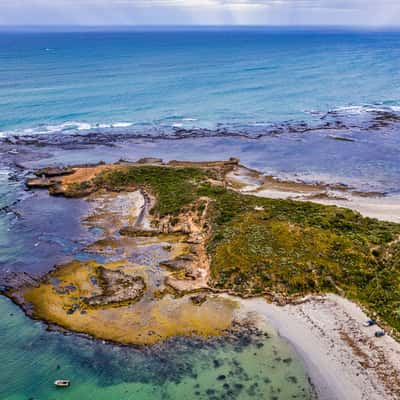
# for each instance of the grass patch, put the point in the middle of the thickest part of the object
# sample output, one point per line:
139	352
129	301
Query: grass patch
174	188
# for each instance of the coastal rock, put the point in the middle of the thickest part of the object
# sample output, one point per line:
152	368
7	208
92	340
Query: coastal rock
117	287
41	183
15	280
50	172
137	232
198	299
150	160
234	160
180	263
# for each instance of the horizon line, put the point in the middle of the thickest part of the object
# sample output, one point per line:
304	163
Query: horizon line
59	27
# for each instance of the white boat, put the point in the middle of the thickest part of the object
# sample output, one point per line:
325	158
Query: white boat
62	382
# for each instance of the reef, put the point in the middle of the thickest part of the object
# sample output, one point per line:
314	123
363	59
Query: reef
116	288
176	235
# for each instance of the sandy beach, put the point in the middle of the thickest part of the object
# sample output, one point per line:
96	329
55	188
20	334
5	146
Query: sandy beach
372	205
384	208
343	358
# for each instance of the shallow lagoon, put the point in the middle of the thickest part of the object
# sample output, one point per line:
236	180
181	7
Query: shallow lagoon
34	358
369	163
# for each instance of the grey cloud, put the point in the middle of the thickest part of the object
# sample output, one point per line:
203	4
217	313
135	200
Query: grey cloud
132	12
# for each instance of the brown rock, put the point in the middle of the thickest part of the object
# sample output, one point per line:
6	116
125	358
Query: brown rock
198	299
50	172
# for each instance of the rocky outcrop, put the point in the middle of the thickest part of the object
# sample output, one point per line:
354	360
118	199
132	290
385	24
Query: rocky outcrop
42	183
150	160
199	299
51	172
117	288
132	231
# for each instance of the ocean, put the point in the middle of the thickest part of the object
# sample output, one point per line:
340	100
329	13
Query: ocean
63	82
284	84
304	104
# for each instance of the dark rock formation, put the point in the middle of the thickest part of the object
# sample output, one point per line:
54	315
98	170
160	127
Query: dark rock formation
51	172
117	287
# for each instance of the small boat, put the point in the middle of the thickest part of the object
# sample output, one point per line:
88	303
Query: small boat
62	382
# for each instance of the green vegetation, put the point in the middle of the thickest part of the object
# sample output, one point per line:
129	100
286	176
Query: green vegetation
174	188
283	247
295	248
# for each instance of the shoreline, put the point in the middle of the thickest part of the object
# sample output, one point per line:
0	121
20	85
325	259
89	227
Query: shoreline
318	329
343	359
335	120
369	204
337	368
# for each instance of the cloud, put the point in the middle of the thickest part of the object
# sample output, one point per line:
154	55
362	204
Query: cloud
207	12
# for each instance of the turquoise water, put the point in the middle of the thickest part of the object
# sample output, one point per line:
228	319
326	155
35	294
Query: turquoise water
152	79
33	358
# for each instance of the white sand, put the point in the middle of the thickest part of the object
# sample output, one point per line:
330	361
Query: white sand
344	359
385	208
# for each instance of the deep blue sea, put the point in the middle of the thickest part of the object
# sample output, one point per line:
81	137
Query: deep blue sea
144	79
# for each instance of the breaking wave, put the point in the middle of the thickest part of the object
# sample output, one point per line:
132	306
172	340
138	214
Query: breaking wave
360	117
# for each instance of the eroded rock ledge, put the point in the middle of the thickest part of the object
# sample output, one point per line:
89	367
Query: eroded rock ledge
116	288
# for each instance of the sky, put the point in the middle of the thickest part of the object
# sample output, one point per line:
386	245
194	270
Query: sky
376	13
